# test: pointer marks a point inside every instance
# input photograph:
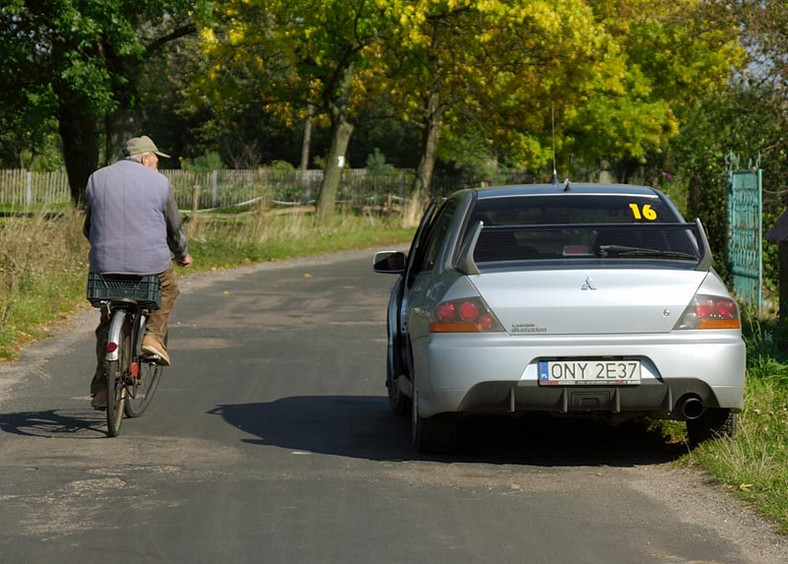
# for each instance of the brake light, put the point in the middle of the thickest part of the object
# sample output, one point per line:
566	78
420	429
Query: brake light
710	312
467	315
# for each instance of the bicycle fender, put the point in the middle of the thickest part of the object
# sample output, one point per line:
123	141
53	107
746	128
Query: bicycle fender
113	337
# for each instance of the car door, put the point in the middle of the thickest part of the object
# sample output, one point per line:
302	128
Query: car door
423	279
398	308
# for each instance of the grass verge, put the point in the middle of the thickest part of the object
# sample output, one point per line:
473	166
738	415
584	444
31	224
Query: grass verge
754	463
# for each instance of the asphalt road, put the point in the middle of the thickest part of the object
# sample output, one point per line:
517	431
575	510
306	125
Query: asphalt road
270	440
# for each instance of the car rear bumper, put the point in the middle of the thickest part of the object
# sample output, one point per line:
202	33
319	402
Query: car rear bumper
499	373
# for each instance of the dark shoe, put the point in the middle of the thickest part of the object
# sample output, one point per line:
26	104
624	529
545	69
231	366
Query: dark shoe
152	346
99	399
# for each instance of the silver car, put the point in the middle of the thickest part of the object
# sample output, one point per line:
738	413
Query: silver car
568	299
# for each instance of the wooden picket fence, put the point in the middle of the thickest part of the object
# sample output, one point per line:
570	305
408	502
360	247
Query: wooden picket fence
23	190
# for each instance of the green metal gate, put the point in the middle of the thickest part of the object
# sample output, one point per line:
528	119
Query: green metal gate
744	230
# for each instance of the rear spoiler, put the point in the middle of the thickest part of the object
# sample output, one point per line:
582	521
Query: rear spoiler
465	264
703	243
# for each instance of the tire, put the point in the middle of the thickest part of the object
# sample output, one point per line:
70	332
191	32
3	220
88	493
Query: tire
141	392
436	434
143	389
713	424
118	371
399	403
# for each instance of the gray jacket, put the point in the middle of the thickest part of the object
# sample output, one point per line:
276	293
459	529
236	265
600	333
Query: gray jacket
132	220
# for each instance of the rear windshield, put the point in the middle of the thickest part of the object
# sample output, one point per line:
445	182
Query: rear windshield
579	226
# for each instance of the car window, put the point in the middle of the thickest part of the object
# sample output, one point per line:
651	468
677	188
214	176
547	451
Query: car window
578	226
435	237
577	208
416	250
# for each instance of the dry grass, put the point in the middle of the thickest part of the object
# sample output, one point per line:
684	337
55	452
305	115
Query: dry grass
42	266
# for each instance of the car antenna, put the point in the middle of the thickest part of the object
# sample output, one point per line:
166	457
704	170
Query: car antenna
554	178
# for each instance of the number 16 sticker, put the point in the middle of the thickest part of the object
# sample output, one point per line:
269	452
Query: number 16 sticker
643	212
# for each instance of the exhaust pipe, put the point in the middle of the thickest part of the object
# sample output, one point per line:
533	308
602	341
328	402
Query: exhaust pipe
690	407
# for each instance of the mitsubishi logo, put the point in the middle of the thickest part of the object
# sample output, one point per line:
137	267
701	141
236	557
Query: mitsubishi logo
589	284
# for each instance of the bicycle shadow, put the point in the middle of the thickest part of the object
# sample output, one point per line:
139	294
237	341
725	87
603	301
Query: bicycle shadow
363	427
51	423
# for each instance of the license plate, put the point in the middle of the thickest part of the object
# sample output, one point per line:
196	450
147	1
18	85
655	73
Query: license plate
589	372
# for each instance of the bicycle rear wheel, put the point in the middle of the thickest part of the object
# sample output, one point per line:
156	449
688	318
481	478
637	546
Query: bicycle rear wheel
143	389
118	372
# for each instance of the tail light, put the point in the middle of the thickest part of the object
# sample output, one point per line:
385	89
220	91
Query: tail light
466	315
710	312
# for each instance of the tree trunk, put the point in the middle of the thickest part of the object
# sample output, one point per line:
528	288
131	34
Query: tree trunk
341	131
79	134
119	127
423	179
306	144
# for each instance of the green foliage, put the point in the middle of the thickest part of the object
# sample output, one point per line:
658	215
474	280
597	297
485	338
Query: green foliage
80	63
207	162
377	165
282	166
48	156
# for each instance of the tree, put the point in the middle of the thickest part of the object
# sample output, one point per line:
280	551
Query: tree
301	58
487	77
82	62
677	53
747	116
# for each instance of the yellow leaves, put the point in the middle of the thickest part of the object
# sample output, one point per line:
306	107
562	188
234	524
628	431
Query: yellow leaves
207	35
236	35
618	69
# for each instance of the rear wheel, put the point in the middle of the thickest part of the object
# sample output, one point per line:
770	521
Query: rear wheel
118	371
713	424
141	391
143	388
435	434
399	403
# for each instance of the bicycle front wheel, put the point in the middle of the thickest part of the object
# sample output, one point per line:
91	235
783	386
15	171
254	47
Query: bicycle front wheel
118	373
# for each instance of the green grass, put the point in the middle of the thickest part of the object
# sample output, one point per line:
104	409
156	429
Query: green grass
754	463
229	243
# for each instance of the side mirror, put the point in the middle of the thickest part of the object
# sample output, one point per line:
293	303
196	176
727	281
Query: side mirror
389	262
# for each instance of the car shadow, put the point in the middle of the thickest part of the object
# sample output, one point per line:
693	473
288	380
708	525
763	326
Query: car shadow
363	427
55	423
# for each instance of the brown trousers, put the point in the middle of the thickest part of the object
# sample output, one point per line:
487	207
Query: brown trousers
158	324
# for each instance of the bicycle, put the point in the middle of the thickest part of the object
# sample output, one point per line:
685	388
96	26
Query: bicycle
132	376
